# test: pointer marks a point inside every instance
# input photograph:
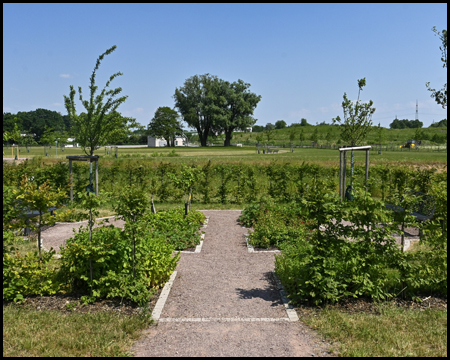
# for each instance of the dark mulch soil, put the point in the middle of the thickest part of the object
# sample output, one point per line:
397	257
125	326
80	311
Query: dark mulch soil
67	303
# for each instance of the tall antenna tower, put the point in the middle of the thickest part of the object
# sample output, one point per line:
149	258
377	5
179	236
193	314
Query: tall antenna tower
417	110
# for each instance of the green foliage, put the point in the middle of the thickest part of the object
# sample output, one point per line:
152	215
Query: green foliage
224	173
199	104
28	275
165	124
111	251
357	118
440	96
237	105
405	123
101	122
179	231
10	210
272	230
280	124
337	261
441	123
315	135
212	105
38	198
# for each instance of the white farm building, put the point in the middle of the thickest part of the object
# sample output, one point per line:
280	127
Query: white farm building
159	142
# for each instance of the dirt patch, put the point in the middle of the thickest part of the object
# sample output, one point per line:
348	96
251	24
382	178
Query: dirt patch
67	303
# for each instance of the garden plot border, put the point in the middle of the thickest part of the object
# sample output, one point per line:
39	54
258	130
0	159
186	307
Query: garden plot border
251	249
198	248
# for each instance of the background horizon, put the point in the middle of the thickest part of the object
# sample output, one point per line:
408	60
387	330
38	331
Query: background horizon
300	58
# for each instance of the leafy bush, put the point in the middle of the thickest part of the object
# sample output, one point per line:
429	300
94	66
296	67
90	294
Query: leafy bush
111	253
180	231
26	275
273	231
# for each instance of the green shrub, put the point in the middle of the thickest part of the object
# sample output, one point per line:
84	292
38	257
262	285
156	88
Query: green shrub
26	275
331	267
180	231
271	230
111	252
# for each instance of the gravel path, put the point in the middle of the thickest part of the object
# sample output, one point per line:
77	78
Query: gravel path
225	281
56	236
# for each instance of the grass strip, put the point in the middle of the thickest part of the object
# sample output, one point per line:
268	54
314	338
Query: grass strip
391	331
29	332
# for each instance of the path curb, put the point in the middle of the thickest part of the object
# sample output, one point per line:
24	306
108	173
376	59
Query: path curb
156	313
292	314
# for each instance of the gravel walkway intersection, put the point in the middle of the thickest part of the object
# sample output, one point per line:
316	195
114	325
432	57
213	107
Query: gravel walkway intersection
224	301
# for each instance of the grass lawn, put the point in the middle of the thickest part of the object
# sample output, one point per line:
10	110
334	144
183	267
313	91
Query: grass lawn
29	332
392	331
249	155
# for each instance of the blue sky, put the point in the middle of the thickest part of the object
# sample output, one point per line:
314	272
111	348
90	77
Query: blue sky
300	58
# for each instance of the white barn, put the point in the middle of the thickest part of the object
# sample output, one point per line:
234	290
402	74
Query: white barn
159	142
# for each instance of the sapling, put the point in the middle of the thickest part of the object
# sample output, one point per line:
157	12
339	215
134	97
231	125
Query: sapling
40	199
132	204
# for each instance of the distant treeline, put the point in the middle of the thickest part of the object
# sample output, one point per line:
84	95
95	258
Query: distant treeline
42	126
396	124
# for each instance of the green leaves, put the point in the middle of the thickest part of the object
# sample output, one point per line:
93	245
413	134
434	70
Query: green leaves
357	118
101	122
356	258
165	124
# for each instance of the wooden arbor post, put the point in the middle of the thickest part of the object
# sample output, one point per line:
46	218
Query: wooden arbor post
343	166
83	158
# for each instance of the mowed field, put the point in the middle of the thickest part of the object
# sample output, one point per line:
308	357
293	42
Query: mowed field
327	157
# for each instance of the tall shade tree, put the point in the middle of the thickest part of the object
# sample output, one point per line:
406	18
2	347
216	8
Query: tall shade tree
199	104
357	118
97	127
237	106
440	95
165	124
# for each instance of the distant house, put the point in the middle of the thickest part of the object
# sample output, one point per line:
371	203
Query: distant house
249	129
71	140
159	142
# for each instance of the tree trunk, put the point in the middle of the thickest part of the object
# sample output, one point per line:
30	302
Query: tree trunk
228	137
203	138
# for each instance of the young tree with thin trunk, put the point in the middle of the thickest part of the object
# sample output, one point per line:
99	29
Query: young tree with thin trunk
357	121
100	122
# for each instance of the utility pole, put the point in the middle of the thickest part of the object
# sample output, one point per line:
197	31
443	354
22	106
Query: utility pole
417	110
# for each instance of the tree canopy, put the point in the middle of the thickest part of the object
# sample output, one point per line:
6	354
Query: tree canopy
100	123
257	128
280	124
357	118
237	106
440	95
269	126
214	106
442	123
405	123
165	124
34	122
198	103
